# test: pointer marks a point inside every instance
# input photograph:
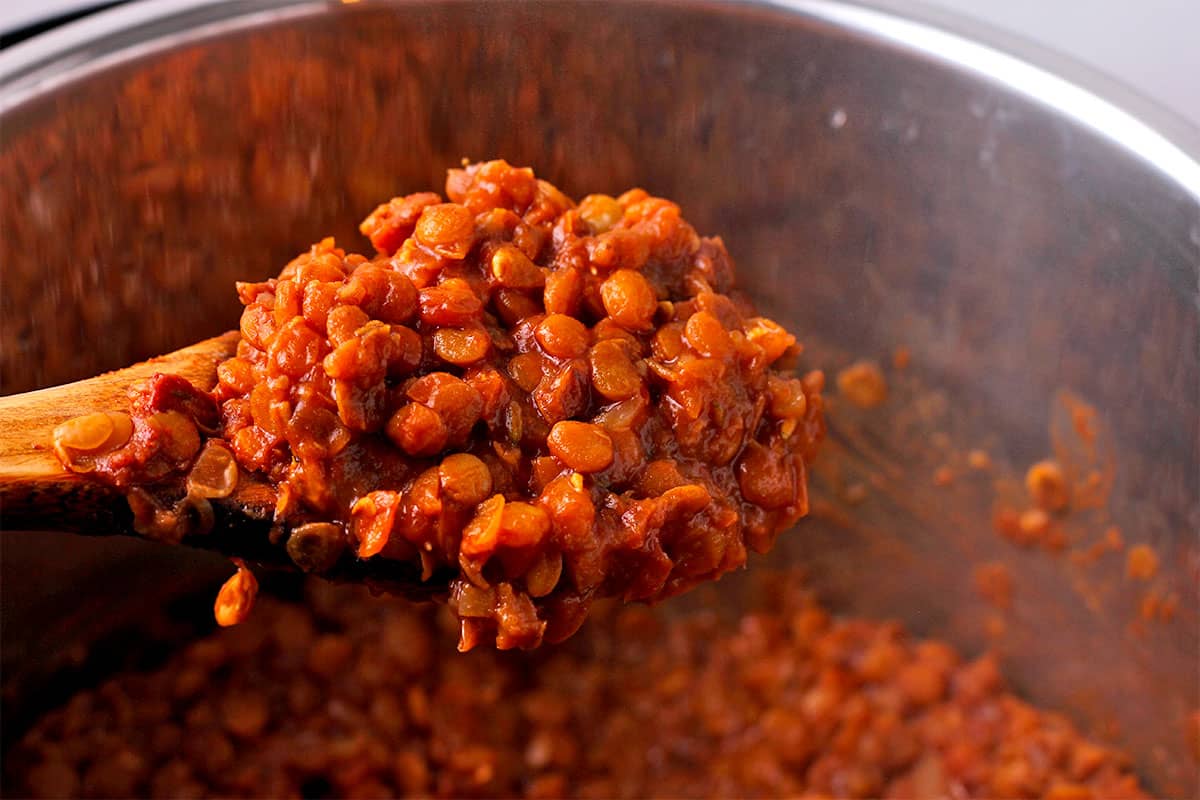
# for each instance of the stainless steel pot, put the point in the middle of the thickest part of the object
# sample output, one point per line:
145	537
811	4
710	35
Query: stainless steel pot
881	182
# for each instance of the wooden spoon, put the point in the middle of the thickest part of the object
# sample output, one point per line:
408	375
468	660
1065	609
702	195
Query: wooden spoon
37	493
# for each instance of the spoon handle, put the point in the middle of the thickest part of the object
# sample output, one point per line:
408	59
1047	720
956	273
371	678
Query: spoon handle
38	494
36	491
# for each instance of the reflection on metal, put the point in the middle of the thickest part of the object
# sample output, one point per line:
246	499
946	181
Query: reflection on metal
1027	79
126	32
94	42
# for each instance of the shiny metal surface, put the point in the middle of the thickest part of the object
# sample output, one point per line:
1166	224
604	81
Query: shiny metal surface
876	190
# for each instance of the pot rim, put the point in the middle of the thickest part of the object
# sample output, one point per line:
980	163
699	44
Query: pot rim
1137	124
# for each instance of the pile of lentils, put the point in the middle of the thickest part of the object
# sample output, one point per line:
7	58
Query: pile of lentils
359	697
540	401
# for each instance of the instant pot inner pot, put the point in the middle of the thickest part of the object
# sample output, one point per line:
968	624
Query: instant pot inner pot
873	197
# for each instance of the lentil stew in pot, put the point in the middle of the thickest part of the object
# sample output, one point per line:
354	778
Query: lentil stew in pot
542	403
346	697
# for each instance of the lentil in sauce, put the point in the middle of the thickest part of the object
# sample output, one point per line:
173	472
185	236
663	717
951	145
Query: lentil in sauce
345	696
538	401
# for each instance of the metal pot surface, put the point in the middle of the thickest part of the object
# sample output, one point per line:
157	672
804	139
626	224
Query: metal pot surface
881	183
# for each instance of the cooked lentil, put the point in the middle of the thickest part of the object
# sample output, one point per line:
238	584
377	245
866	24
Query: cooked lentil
352	697
236	597
1047	485
159	437
1141	562
863	384
483	397
979	460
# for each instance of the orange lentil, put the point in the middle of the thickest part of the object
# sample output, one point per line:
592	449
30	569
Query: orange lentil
447	229
1047	486
562	336
581	446
979	460
236	597
863	384
1034	523
629	299
360	697
1141	562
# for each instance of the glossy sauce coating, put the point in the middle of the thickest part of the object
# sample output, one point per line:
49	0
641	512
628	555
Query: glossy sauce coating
544	402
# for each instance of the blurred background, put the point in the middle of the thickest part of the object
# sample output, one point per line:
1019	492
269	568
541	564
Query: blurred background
1149	45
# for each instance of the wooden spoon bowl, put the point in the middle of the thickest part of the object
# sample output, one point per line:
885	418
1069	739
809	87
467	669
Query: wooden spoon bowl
37	493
